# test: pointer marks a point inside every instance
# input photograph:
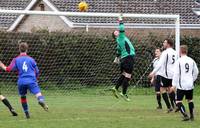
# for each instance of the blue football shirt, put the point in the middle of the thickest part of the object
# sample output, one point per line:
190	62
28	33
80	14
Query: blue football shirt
26	67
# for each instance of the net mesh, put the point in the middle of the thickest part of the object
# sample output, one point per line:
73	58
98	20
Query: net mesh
77	59
74	60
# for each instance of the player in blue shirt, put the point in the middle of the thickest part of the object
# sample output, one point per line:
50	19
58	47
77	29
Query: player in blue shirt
27	79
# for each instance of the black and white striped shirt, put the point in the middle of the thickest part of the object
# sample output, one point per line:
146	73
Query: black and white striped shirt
166	63
185	73
155	64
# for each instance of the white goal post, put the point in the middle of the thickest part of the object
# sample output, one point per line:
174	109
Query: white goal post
176	26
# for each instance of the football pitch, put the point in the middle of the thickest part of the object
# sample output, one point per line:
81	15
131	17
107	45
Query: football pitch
78	110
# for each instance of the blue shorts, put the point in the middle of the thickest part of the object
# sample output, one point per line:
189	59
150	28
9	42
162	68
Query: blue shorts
33	88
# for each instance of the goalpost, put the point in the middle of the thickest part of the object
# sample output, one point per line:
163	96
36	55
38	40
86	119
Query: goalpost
87	14
75	59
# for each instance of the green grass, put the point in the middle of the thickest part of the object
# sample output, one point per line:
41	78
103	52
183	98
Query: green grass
82	110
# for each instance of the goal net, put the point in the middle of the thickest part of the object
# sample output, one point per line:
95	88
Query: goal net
82	57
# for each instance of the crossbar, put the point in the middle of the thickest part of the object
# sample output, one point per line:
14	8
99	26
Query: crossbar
92	14
86	14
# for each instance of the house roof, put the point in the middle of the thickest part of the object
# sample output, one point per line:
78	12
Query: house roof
7	20
182	7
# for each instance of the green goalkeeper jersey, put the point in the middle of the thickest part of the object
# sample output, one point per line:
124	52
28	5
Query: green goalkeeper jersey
124	45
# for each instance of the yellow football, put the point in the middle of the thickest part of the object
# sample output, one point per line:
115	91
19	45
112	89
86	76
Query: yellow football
83	6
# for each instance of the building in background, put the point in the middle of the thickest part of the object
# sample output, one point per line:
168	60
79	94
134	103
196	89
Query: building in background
190	22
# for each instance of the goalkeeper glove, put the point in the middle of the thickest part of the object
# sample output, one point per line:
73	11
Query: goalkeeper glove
120	18
117	60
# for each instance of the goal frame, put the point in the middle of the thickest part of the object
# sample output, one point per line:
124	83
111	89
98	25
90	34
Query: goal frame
176	25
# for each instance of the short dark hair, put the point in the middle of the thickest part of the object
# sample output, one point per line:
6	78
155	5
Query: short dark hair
159	49
184	49
23	47
170	42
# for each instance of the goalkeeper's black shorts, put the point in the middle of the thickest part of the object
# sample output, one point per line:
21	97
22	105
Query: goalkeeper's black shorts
126	64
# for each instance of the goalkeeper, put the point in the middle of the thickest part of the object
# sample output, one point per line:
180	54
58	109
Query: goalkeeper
125	55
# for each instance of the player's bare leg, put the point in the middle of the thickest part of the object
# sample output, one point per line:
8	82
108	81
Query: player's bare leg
8	105
191	109
181	107
166	99
41	102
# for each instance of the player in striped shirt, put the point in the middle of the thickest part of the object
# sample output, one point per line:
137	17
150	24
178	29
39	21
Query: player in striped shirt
156	80
185	74
27	79
166	68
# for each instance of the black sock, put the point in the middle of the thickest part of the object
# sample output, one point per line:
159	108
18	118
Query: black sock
166	99
172	99
191	107
7	103
158	97
119	81
182	109
125	85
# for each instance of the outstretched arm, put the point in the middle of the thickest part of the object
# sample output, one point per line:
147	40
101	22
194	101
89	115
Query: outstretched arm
3	66
11	67
121	27
120	35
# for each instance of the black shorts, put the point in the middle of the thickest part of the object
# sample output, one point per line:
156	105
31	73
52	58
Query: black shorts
181	93
157	83
126	64
166	82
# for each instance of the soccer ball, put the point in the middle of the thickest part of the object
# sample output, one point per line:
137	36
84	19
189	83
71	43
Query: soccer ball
83	6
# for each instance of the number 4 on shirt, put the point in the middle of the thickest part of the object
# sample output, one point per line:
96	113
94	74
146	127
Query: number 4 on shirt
25	67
